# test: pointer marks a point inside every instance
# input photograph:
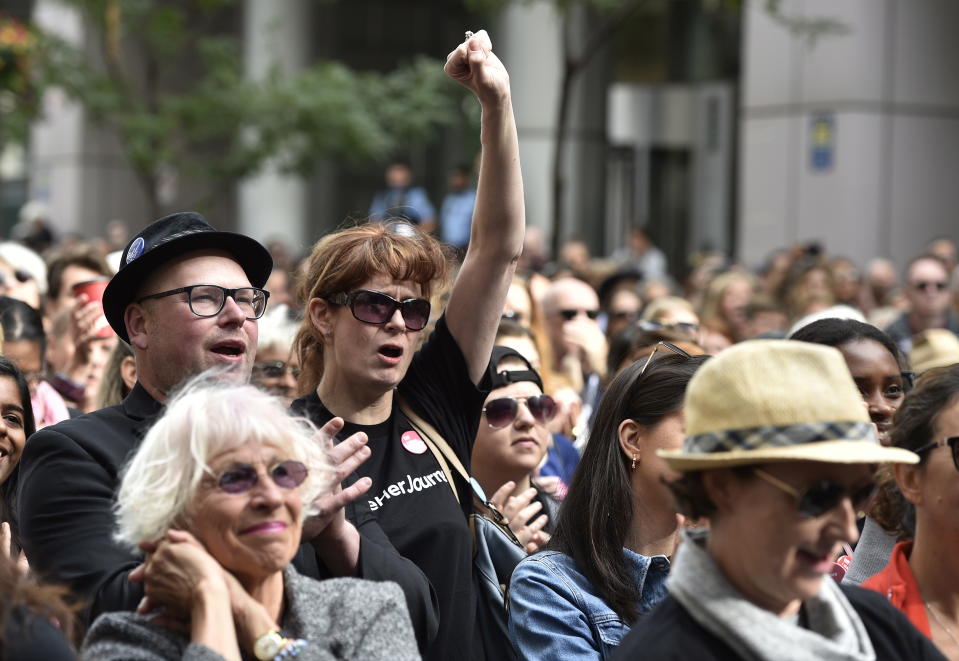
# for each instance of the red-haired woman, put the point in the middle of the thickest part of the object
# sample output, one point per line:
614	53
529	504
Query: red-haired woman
367	294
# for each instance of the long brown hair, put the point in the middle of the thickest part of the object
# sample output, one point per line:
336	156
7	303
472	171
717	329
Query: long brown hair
344	260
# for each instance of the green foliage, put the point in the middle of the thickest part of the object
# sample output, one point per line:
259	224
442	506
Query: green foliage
168	79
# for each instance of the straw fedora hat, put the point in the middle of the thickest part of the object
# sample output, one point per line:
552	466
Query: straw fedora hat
936	347
766	401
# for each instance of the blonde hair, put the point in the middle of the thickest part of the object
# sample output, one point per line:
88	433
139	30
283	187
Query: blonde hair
658	309
711	316
344	260
209	416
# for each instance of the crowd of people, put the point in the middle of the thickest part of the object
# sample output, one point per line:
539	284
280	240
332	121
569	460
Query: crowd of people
404	447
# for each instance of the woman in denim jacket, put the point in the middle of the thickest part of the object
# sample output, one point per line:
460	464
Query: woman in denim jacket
608	559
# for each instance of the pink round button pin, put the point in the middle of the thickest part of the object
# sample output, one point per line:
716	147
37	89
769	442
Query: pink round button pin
413	443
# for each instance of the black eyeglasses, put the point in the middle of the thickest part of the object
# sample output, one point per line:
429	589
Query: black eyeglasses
375	307
208	300
669	346
819	497
275	369
502	411
243	477
923	285
569	315
952	442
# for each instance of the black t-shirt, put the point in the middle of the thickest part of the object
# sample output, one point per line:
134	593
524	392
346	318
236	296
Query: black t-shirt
410	496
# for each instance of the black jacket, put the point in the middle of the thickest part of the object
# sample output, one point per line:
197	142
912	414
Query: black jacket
67	482
669	632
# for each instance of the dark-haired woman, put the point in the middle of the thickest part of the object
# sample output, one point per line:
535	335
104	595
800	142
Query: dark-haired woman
366	294
922	577
873	360
511	443
609	556
876	366
16	426
25	345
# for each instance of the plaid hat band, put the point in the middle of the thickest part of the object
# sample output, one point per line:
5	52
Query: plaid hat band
778	436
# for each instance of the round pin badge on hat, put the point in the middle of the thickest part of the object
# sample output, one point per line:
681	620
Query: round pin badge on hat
136	249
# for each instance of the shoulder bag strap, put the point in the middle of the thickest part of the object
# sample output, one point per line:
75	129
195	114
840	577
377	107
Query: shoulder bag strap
437	444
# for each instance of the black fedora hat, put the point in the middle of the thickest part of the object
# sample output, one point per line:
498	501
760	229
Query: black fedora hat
170	237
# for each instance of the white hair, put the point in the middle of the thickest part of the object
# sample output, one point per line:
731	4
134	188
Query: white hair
19	256
277	328
207	417
834	312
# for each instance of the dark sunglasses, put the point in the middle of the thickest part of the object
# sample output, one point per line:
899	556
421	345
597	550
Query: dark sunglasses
243	477
923	285
569	315
819	497
275	369
375	307
502	411
952	442
20	275
668	346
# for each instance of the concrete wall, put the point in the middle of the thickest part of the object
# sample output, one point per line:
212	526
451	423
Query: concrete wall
888	86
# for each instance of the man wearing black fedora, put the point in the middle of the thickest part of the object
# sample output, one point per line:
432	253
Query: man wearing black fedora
186	298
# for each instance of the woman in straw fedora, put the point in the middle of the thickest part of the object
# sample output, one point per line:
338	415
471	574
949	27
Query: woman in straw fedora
922	577
779	457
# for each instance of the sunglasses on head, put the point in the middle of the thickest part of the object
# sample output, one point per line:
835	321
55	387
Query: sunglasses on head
668	346
243	477
502	411
569	315
923	285
819	497
952	442
375	307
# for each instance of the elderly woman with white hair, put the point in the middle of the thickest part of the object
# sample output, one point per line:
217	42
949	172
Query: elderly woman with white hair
779	457
216	495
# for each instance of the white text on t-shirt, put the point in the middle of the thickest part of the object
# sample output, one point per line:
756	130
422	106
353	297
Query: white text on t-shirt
407	486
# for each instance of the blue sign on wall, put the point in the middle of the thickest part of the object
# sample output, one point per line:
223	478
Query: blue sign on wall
823	142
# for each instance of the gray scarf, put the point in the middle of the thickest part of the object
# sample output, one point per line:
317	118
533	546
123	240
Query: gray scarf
835	631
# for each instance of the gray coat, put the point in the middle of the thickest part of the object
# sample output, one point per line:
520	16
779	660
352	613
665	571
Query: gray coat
342	618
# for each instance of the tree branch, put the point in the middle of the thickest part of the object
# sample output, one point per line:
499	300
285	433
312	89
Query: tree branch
602	34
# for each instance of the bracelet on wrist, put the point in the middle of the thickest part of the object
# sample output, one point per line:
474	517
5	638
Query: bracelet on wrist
273	646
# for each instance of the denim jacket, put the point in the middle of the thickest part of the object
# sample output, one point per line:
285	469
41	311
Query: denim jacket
555	613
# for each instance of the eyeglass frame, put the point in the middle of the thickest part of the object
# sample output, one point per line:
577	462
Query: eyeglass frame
686	327
951	441
925	285
525	401
227	293
347	299
669	345
568	314
800	494
218	477
277	364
